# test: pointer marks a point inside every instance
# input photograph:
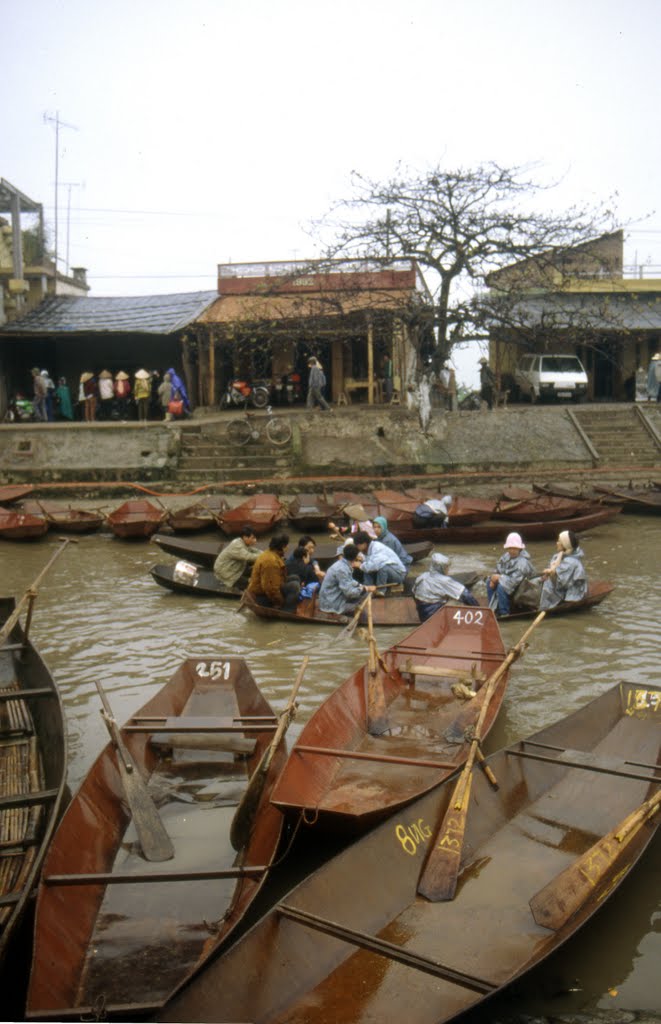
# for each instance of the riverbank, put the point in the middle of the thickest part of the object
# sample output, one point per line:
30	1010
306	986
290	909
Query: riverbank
354	447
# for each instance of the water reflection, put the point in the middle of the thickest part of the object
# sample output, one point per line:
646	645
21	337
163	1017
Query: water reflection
99	615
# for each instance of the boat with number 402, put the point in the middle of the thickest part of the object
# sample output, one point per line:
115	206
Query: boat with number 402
141	883
398	726
576	806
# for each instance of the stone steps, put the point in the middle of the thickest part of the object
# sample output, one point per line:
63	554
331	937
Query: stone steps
619	436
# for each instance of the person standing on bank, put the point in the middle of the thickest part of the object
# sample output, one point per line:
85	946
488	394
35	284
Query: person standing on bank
106	395
233	563
122	394
316	381
91	391
141	393
269	583
387	379
513	567
487	382
654	379
565	578
40	392
164	395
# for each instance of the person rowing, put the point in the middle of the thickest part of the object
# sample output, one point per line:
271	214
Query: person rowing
564	578
434	588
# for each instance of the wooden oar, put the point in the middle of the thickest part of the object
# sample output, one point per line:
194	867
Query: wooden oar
377	719
438	880
154	840
244	816
553	905
31	593
350	628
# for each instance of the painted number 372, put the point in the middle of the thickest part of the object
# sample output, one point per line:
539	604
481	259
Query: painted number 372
469	616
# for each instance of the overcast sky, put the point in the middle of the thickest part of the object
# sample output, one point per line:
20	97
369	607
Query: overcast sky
208	131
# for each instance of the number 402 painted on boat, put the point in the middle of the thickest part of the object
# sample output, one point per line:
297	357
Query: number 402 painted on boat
469	616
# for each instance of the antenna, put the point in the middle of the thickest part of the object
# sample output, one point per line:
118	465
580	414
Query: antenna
58	124
69	185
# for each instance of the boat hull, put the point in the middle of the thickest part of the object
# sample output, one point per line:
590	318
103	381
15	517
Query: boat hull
354	942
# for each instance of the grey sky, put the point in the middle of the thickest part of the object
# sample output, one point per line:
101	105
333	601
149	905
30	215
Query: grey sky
215	130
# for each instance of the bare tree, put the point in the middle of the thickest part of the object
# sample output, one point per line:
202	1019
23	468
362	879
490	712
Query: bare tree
460	226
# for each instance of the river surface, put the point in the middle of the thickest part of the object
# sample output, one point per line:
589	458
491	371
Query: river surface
100	616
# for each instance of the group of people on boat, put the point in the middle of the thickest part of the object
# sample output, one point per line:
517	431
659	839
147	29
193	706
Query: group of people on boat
372	560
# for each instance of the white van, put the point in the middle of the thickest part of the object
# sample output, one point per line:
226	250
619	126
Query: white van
551	376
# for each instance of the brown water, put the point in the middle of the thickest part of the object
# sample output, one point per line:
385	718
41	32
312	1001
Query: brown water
100	616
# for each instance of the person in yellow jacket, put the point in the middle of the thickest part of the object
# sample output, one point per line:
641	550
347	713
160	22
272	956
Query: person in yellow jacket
142	393
269	583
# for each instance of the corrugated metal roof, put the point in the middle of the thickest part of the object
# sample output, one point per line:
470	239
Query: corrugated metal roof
139	314
604	312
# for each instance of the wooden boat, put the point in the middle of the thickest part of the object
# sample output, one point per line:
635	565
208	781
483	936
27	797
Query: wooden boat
202	583
636	500
14	492
194	517
310	512
262	512
399	610
344	778
33	763
342	499
66	520
205	552
118	931
137	518
598	590
531	507
399	510
21	525
494	531
355	942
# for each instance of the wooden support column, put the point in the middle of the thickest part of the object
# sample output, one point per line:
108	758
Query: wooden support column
212	366
370	361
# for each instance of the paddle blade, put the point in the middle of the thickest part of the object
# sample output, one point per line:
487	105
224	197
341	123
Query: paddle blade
155	842
438	880
558	901
377	718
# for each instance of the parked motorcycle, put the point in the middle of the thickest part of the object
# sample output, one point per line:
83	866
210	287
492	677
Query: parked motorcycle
242	392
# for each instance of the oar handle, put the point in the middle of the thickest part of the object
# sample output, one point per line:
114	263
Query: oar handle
30	593
285	715
113	728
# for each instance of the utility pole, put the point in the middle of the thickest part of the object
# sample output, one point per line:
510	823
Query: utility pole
58	124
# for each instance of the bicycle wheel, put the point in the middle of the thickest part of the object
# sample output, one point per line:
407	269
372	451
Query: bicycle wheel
278	430
239	432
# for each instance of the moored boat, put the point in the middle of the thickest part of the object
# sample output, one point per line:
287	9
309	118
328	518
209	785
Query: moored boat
396	727
33	764
262	512
576	806
310	512
531	507
21	525
120	924
14	492
494	531
137	518
66	520
636	500
192	518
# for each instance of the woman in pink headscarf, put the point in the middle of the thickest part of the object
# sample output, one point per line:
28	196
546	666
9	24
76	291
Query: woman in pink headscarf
513	567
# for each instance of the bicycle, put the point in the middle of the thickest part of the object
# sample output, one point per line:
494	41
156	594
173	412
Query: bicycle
277	429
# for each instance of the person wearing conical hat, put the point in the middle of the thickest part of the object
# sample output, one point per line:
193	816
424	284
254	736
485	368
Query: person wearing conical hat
122	394
141	393
513	567
106	394
90	393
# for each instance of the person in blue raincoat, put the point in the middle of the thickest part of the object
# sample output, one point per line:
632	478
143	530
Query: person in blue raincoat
384	535
381	566
340	592
434	588
179	389
565	578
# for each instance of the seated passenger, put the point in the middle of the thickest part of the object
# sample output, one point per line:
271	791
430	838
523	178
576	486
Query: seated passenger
300	565
269	583
232	565
340	592
433	512
384	535
380	564
513	567
565	578
434	588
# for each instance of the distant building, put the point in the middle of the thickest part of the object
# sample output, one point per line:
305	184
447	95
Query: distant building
269	318
578	300
27	273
